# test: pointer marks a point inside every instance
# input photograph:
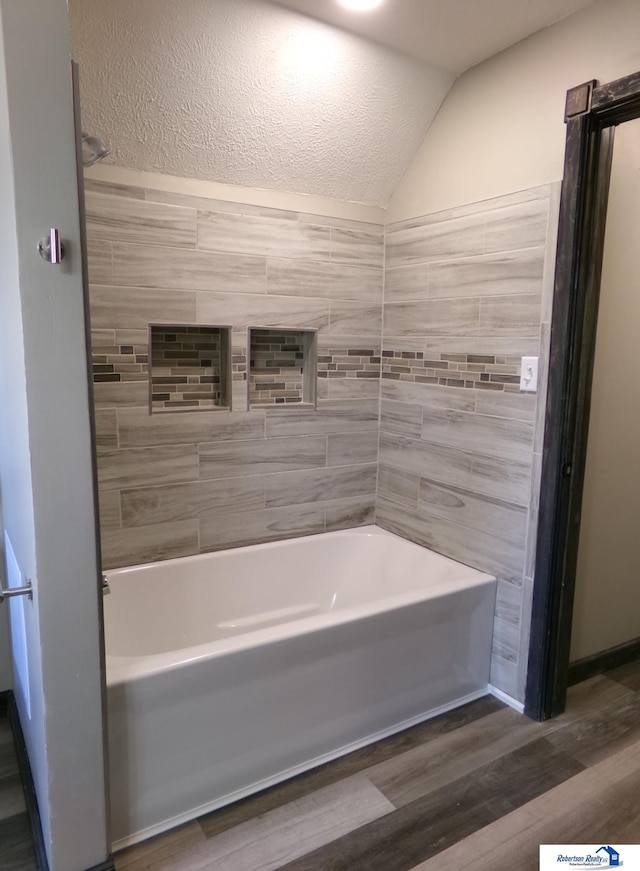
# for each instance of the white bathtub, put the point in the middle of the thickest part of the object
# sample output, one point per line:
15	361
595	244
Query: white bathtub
231	671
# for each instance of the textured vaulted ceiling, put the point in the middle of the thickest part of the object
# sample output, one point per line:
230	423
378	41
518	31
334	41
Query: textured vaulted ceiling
250	93
452	34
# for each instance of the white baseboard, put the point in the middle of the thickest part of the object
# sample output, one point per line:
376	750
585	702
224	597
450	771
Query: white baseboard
508	700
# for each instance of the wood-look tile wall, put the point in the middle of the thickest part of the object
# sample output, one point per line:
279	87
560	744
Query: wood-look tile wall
445	438
467	293
184	482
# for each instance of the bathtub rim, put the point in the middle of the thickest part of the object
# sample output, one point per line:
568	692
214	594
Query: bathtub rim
121	670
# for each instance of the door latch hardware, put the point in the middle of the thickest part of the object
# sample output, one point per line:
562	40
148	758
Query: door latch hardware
16	591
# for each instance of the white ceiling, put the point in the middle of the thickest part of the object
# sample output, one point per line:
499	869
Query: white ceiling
294	96
246	93
451	34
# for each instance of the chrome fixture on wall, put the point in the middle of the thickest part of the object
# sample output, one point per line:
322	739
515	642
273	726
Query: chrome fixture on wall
11	592
93	149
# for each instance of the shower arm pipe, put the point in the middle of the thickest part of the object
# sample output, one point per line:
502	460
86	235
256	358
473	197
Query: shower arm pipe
98	150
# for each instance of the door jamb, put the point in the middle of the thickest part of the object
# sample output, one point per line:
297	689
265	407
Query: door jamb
592	113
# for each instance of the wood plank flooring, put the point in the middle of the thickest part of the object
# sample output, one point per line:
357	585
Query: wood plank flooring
16	853
472	788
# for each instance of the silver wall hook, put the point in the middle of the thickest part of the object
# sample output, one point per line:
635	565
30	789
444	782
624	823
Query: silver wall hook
51	247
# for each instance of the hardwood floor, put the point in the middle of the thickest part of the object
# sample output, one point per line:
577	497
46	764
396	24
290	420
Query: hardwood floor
480	787
16	853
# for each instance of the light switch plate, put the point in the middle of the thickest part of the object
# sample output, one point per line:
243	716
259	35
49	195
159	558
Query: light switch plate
529	374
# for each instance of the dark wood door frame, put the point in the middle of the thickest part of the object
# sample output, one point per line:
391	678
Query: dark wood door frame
592	113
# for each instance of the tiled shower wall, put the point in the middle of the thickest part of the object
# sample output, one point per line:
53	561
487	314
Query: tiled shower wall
183	482
467	293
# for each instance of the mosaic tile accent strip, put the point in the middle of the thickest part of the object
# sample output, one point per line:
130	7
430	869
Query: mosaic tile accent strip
479	371
120	362
187	367
344	362
238	363
277	361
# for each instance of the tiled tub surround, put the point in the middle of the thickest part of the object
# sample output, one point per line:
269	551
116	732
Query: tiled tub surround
189	482
189	367
459	467
467	293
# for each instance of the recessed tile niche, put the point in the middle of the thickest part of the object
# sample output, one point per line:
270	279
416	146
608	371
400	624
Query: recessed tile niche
190	367
283	367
